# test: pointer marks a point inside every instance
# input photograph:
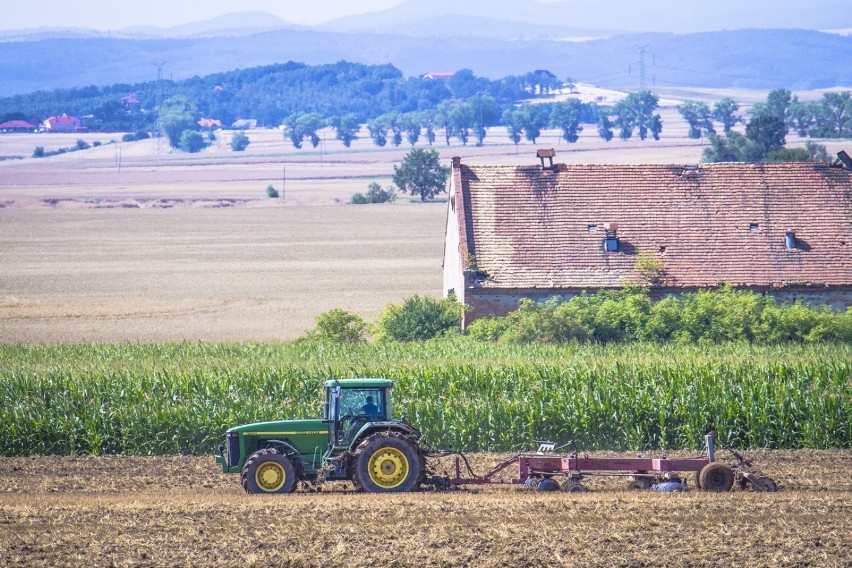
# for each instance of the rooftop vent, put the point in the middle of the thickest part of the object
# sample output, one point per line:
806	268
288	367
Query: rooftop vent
843	160
546	154
690	171
611	237
790	239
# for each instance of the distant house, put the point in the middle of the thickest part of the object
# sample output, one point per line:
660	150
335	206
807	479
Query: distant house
131	99
439	75
547	230
209	123
62	123
17	126
245	123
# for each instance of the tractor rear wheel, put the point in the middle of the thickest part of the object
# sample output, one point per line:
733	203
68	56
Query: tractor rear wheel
388	463
268	471
716	477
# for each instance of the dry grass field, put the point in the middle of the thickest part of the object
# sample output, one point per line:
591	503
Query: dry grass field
170	511
132	241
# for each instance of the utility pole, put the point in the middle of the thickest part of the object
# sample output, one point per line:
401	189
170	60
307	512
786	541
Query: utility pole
642	49
283	180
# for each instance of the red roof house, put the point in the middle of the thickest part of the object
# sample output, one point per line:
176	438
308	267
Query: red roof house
62	123
17	126
539	231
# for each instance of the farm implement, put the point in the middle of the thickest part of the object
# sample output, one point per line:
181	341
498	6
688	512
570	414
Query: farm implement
546	471
357	440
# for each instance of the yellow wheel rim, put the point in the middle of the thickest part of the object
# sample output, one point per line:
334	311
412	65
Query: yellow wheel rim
270	476
388	468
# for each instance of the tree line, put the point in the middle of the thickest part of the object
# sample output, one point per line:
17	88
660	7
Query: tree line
769	123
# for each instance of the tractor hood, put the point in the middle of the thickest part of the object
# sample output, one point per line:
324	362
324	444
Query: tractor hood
282	428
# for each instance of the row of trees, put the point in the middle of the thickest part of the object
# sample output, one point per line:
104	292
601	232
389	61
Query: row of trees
766	130
464	119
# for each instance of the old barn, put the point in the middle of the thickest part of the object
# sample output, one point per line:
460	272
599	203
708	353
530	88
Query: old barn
550	229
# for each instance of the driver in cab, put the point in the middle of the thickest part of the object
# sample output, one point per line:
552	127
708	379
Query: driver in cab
369	408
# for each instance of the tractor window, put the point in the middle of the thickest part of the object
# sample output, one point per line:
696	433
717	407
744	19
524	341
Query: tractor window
365	402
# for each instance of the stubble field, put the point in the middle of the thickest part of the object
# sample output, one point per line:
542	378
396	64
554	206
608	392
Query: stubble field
170	511
131	241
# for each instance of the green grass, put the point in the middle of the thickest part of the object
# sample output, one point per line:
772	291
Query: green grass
463	394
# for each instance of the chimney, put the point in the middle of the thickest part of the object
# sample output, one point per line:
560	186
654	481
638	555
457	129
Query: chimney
546	154
456	162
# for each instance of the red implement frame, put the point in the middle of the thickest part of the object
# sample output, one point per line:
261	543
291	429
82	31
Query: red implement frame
576	467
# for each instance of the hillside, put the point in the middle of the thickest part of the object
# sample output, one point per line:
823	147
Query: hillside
762	59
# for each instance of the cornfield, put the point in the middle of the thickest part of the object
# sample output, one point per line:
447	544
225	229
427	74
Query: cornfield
145	399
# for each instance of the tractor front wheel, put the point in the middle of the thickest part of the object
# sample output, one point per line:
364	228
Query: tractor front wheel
268	471
716	477
388	463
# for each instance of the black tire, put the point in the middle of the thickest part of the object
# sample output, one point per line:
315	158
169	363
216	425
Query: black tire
573	487
388	463
268	471
639	484
548	485
765	484
716	477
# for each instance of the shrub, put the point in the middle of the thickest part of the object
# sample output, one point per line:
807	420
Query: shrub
419	319
239	141
38	152
271	191
191	141
339	326
705	316
96	143
375	194
129	137
82	145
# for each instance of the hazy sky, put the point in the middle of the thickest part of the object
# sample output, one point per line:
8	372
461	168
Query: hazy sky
117	14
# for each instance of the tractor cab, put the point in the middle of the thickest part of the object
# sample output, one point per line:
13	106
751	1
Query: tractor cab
352	404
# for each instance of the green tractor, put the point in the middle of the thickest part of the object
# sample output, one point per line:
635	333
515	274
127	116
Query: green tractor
356	440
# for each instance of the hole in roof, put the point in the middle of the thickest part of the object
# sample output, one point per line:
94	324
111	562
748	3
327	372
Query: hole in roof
592	228
662	249
754	227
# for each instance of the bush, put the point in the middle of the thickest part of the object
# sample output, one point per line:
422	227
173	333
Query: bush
704	317
96	143
339	326
82	145
129	137
239	141
271	191
38	152
419	319
191	141
375	194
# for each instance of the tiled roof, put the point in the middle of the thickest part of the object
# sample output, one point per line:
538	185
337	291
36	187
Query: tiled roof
529	228
63	120
17	124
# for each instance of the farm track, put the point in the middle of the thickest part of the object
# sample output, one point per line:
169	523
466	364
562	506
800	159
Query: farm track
100	511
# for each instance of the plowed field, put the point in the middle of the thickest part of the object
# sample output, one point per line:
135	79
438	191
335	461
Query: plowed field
164	511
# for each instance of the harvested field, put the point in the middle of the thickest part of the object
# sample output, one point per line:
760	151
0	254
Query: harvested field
133	241
165	511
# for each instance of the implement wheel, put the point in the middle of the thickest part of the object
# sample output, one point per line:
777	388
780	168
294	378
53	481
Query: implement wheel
716	477
573	487
639	484
268	471
766	484
388	463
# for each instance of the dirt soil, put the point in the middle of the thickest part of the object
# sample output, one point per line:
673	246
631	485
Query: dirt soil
168	511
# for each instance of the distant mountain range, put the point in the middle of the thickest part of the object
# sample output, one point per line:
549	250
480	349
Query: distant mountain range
574	39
